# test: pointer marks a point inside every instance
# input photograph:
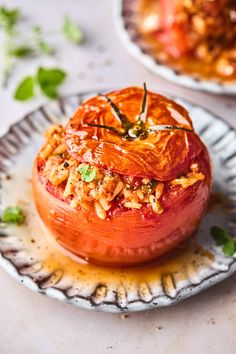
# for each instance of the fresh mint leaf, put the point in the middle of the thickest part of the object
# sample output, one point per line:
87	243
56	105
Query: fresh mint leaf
72	31
8	18
43	46
49	80
224	239
219	235
13	215
22	51
88	174
25	89
229	247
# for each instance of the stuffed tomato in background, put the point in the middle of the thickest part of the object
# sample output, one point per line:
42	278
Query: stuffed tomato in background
125	181
193	37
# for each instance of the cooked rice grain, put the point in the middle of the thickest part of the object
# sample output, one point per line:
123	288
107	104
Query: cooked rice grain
98	194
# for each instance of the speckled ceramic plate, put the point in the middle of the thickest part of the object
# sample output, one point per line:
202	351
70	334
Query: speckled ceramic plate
126	23
28	253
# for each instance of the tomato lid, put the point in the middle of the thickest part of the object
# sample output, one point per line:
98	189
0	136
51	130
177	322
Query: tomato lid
134	132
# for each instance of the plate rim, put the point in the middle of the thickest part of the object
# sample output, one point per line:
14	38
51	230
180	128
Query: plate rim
187	291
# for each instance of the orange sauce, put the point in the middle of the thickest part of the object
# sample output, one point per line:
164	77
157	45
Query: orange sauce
182	263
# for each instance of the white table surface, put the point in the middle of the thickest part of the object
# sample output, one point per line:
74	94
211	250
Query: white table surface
34	324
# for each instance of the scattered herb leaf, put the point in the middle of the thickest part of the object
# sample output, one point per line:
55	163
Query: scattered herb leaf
229	247
49	80
22	51
88	173
25	89
8	18
13	215
43	46
219	235
224	239
72	31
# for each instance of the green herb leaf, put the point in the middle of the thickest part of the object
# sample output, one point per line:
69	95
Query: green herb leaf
72	31
43	46
229	247
219	235
25	89
13	215
49	80
108	127
8	18
88	173
22	51
222	238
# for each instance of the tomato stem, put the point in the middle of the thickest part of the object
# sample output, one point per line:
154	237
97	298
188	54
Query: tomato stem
168	127
126	124
138	129
143	112
108	127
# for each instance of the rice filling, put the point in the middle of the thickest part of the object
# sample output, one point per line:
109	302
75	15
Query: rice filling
95	189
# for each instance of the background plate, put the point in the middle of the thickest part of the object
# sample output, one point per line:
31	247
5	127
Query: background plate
125	17
28	253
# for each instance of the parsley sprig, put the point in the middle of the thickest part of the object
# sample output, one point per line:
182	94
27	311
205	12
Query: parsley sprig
224	239
13	215
88	174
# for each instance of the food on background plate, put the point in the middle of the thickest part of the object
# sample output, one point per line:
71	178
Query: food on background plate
125	181
194	36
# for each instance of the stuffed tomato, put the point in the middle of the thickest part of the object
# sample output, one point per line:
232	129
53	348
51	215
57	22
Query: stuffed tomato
196	31
125	181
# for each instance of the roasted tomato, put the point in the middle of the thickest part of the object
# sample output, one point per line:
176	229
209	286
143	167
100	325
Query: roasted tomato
125	181
171	33
178	34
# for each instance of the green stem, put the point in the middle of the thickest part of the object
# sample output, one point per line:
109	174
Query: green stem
168	127
136	130
42	33
105	127
126	124
143	112
7	62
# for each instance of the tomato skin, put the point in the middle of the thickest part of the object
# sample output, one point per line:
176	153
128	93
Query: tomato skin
176	37
129	236
172	35
162	155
